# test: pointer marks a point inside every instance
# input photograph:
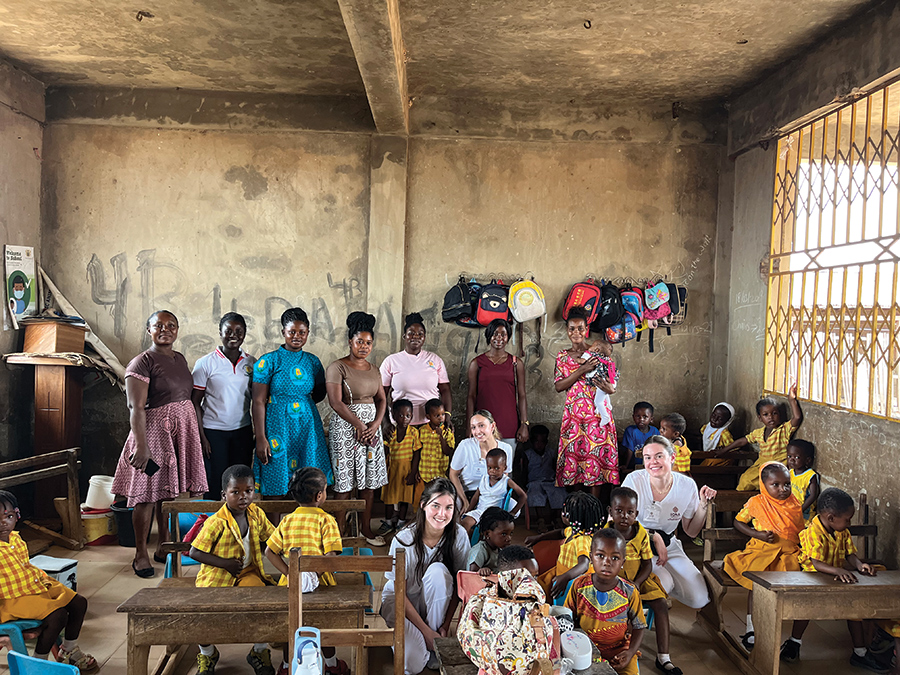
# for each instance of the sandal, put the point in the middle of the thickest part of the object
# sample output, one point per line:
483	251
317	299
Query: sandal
84	662
745	640
668	667
161	559
144	573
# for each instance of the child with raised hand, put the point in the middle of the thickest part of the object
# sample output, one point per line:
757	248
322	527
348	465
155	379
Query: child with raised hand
583	516
632	444
804	480
496	526
638	569
827	548
772	438
540	476
716	434
492	490
404	453
26	592
607	607
672	426
229	549
315	533
773	520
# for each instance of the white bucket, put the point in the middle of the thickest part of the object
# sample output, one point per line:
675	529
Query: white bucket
577	646
99	495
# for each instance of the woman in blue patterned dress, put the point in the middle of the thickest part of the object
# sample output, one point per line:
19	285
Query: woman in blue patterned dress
287	384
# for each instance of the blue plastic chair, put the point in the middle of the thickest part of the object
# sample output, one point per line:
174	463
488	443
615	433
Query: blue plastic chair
367	580
14	629
22	664
185	522
476	531
561	600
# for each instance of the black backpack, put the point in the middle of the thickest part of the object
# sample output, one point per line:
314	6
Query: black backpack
611	312
457	302
468	320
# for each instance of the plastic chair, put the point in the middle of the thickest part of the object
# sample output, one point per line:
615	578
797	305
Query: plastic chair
367	580
476	531
185	522
561	600
14	629
22	664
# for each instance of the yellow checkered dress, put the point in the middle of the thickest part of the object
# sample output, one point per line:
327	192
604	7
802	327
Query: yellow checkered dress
817	544
311	529
221	536
682	458
433	462
18	577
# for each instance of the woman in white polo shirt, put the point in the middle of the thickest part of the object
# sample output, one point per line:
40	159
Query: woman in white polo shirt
221	397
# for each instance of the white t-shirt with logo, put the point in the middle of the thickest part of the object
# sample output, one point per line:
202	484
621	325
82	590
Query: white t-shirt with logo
681	502
226	387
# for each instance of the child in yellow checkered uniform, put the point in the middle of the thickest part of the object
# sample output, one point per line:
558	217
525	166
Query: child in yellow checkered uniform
672	426
229	550
826	548
314	532
438	443
26	592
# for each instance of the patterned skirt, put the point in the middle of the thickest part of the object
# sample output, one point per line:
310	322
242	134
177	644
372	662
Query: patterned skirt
174	442
356	465
588	452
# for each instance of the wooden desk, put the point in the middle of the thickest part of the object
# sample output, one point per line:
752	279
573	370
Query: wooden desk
455	662
783	596
169	616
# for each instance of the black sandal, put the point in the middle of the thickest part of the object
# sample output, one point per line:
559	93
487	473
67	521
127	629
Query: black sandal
745	640
144	573
668	668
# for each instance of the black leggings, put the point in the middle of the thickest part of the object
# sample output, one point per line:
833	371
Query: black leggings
227	448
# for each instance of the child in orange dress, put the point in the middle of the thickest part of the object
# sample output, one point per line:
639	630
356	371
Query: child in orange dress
773	520
26	592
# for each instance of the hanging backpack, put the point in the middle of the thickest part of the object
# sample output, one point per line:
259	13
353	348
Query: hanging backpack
526	301
633	303
457	303
623	331
493	303
505	629
469	320
583	294
655	295
674	311
610	310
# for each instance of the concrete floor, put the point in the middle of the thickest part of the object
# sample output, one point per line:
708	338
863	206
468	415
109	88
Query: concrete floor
106	579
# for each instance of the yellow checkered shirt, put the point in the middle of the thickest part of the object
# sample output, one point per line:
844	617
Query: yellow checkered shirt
313	530
570	551
221	536
817	544
773	448
433	462
18	577
682	458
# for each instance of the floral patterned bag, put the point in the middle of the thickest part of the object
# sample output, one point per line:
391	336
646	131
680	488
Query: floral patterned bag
505	629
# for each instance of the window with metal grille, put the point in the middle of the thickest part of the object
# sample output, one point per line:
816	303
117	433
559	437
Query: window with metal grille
832	313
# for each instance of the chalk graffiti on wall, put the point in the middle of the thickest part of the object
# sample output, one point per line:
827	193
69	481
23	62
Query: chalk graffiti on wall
115	298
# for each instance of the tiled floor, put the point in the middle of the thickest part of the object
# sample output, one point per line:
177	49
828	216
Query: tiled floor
106	579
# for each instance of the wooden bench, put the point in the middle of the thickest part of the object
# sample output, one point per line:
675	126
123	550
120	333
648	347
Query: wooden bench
339	508
454	661
169	616
784	596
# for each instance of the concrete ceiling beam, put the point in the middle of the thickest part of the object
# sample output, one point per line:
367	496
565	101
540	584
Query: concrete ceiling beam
374	30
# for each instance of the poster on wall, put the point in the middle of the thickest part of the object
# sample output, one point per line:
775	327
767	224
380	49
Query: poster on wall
21	288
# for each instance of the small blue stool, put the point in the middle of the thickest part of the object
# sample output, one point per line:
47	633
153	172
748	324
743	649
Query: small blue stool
14	630
22	664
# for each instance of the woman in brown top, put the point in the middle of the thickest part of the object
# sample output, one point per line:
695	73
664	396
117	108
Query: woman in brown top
162	457
354	431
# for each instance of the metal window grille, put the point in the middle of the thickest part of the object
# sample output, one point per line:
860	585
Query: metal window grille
832	313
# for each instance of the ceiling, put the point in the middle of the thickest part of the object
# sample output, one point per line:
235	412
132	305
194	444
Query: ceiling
526	50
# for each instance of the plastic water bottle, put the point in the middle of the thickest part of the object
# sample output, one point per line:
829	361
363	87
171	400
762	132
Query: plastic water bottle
309	660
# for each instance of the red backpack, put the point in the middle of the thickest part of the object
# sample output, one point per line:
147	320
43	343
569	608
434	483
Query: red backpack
583	294
493	303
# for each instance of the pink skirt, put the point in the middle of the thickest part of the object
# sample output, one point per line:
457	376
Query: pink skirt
174	442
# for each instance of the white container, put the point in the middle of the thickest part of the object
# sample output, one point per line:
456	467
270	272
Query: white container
577	647
64	570
99	495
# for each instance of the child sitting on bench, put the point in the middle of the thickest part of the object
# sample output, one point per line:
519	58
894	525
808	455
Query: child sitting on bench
826	547
804	479
773	521
26	592
229	549
314	532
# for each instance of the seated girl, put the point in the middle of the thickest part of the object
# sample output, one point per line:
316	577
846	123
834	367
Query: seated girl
496	527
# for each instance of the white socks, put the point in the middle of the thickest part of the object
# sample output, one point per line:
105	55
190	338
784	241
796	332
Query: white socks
42	657
331	661
260	647
859	651
799	642
69	645
750	638
663	658
207	650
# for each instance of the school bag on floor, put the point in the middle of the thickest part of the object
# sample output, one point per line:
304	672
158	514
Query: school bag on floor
469	320
583	294
457	302
493	303
526	301
505	629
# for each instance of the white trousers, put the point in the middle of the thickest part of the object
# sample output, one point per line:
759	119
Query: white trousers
680	577
432	604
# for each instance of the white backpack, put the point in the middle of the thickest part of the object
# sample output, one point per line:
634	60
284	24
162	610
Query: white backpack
526	301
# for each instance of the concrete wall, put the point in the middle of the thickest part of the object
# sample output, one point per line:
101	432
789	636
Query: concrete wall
205	221
855	451
21	148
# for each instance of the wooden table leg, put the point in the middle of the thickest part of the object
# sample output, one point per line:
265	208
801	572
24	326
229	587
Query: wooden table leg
137	658
767	613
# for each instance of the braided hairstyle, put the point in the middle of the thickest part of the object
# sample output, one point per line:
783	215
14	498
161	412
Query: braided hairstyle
293	314
584	513
306	483
413	319
360	322
492	517
9	499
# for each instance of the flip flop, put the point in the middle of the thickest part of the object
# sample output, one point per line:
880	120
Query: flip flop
144	573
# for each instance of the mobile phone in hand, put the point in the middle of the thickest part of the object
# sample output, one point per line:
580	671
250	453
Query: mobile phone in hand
151	468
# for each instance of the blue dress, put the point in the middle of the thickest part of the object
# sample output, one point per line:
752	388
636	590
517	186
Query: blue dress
293	424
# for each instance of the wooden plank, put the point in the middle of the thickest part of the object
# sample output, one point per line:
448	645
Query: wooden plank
351	637
75	529
59	456
723	534
184	547
60	539
735	455
767	620
32	476
795	582
248	599
732	500
345	563
717	470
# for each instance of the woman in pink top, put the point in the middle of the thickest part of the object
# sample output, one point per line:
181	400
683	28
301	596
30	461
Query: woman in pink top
497	383
416	374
